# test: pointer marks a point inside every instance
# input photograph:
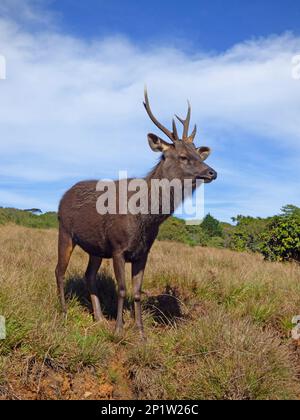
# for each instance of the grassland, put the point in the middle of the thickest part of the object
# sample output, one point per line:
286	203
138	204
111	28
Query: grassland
218	326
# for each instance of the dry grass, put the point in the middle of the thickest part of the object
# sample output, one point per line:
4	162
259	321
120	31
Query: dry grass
218	326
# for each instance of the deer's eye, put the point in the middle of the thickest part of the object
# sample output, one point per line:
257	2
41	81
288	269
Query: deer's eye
183	159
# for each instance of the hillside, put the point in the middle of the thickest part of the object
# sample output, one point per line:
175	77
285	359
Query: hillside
218	325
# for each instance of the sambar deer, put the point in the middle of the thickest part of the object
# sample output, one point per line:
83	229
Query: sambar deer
126	238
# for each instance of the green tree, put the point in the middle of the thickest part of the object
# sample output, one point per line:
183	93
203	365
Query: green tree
197	235
247	234
282	241
212	227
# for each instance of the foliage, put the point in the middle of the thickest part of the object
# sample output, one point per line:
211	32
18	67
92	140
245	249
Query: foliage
216	242
282	241
174	230
247	234
212	227
277	238
28	218
209	233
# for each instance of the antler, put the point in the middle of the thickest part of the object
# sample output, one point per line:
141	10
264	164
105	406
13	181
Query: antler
186	123
172	135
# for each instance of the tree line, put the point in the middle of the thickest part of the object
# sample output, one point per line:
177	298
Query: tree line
277	237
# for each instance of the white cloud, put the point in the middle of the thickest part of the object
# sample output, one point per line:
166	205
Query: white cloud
74	108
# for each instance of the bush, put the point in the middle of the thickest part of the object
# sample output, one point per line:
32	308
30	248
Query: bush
209	233
215	242
282	241
212	227
174	229
247	235
197	235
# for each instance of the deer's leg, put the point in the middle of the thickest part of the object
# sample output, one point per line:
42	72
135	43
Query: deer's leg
138	269
90	275
119	268
65	249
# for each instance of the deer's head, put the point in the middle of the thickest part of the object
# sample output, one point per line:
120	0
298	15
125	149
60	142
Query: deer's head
181	158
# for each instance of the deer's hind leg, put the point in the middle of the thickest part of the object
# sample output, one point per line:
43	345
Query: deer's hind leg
91	277
65	249
119	268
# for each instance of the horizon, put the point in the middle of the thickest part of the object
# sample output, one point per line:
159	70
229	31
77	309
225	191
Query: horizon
73	85
233	221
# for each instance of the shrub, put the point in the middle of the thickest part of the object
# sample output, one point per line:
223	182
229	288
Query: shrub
282	241
174	229
247	235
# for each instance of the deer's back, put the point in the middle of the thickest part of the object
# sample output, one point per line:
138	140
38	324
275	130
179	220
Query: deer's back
98	234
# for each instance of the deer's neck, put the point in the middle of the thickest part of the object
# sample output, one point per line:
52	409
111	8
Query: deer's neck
156	200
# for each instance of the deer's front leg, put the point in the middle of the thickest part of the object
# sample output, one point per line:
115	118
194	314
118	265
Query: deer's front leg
119	268
138	269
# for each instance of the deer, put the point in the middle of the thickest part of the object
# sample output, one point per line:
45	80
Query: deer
126	238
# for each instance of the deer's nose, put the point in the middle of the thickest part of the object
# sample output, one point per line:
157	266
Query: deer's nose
212	174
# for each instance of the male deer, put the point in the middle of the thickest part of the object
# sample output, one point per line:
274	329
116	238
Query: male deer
125	237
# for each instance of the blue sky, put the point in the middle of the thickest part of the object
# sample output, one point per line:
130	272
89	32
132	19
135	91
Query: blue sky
71	105
193	24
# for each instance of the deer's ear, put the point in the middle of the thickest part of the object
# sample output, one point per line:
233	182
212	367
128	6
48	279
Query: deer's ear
157	144
204	152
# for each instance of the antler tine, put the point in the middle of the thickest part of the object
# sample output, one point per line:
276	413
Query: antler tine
175	132
191	138
186	123
168	133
